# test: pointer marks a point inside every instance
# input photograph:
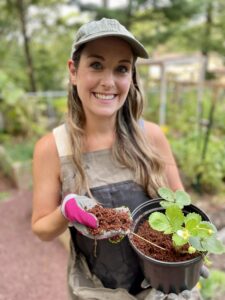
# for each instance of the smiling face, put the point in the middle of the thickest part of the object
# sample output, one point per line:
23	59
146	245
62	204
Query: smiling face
103	76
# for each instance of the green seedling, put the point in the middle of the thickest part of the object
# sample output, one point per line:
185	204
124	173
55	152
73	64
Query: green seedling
185	229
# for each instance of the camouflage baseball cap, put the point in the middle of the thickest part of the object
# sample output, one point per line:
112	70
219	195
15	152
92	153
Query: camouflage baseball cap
107	27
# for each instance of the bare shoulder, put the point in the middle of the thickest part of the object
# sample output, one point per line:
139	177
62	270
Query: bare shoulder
45	153
45	146
154	133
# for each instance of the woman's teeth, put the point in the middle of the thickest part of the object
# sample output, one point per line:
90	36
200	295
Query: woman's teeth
104	96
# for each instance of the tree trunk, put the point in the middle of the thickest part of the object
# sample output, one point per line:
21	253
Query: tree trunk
26	42
129	12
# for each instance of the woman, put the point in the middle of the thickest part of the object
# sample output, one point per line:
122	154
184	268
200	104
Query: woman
106	151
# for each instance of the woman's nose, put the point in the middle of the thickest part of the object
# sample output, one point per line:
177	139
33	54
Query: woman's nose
108	79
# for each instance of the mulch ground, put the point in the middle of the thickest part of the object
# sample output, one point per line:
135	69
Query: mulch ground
29	268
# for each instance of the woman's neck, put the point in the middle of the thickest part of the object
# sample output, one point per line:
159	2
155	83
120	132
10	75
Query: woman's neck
99	135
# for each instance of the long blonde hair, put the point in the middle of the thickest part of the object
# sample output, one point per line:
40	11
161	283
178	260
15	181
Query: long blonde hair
130	149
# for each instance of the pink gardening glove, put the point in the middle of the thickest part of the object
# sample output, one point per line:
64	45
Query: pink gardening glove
74	209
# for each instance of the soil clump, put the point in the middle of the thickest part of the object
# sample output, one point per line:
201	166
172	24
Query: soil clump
170	254
109	219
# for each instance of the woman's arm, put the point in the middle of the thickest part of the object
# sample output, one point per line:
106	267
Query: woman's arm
160	142
47	219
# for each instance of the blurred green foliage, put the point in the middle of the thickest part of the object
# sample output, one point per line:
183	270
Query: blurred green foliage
214	286
21	116
20	150
212	168
205	173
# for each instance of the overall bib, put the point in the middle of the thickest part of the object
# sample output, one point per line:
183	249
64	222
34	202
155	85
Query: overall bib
101	270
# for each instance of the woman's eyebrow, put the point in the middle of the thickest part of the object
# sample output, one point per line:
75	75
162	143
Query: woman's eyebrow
96	56
102	58
125	61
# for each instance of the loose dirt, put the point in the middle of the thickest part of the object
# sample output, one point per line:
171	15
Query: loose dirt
162	240
109	219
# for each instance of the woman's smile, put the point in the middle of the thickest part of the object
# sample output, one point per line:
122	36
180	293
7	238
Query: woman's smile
106	97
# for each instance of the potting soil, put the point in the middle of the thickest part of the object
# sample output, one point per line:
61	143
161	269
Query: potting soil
170	254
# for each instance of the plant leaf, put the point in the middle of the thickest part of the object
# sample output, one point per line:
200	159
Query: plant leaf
168	230
196	243
205	229
166	194
193	216
159	221
182	198
192	220
175	217
213	245
178	240
212	226
166	204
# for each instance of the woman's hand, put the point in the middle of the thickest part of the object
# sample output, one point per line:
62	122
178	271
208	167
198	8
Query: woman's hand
74	209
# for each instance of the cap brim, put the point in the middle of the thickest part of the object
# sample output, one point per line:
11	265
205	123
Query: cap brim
136	46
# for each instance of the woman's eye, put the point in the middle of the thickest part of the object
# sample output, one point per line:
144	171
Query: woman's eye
96	65
122	69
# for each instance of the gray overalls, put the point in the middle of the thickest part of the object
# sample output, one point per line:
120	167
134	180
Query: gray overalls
104	270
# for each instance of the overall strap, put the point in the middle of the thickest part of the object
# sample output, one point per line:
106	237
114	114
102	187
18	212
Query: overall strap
62	141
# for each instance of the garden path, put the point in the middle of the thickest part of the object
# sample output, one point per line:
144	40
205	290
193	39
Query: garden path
30	269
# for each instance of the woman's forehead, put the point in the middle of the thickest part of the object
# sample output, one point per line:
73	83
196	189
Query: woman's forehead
109	45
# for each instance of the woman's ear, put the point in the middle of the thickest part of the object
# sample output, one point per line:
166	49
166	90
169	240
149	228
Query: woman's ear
72	71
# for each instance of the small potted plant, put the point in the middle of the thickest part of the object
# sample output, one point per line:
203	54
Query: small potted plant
172	238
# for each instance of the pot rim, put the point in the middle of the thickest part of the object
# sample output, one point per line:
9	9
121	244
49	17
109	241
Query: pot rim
157	200
144	204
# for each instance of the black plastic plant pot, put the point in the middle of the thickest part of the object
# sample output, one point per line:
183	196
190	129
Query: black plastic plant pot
169	277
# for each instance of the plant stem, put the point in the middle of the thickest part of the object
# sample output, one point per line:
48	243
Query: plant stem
140	237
